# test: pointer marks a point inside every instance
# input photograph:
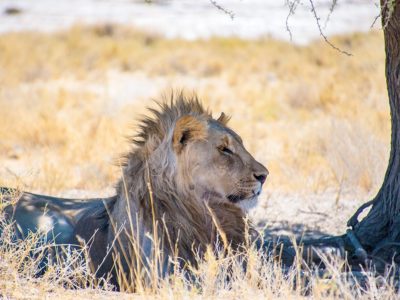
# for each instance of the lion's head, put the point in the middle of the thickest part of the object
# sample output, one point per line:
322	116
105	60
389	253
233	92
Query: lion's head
213	162
193	155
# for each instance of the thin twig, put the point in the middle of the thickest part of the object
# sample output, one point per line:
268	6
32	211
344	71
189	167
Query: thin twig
313	213
230	13
331	9
323	34
292	8
376	19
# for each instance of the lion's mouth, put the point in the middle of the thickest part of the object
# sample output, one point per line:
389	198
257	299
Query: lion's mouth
238	197
235	198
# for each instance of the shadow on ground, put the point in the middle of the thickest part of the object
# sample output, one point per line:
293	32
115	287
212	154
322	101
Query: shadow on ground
279	237
286	229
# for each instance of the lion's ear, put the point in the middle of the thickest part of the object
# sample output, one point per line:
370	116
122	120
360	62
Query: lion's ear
187	128
223	118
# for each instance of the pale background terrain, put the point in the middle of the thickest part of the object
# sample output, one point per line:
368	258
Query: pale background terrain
198	19
318	119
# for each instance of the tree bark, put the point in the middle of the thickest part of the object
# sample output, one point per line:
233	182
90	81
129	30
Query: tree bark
379	231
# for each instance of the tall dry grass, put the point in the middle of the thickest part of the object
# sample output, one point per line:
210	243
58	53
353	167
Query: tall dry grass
223	274
318	119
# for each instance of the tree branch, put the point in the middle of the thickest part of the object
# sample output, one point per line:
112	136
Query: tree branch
292	8
331	9
322	33
230	13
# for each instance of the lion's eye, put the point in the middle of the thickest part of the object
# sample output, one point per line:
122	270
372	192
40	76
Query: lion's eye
225	150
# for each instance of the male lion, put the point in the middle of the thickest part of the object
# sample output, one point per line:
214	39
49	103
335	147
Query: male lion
185	184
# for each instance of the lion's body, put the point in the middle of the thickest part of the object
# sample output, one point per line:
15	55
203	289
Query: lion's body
34	212
180	191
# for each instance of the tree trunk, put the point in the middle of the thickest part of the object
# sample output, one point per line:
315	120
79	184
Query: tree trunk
379	231
376	238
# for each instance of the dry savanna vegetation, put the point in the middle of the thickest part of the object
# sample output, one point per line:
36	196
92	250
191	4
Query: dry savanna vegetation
318	119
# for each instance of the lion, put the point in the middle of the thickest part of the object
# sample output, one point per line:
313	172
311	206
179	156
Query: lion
186	184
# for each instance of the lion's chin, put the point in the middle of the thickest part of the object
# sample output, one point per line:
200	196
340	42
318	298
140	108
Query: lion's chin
247	204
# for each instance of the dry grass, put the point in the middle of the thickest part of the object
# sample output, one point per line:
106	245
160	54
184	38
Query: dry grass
67	99
263	277
318	119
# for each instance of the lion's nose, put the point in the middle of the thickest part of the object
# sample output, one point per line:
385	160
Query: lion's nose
261	177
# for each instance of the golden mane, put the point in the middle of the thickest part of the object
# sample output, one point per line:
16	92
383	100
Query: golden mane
165	118
149	178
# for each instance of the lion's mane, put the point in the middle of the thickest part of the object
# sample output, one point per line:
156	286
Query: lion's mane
151	186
